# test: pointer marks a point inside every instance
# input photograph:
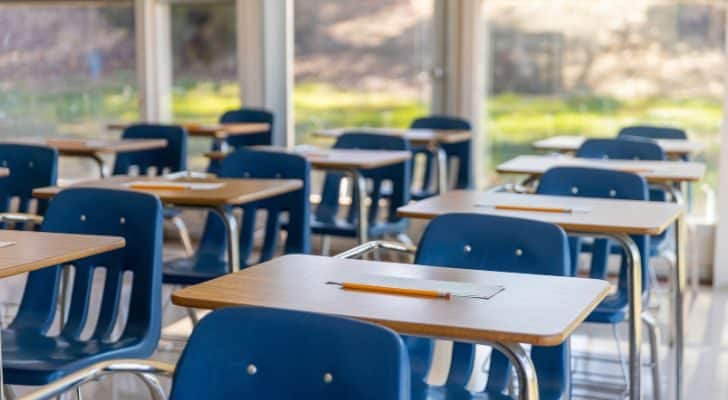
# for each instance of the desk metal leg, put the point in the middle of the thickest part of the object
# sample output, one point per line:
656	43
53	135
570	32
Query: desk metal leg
525	371
2	388
103	171
679	304
231	228
634	284
678	322
222	145
442	172
361	193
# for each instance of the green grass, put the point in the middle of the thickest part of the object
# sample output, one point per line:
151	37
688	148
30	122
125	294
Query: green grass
512	121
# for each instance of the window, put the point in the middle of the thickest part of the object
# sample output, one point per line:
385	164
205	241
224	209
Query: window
204	55
66	69
361	63
589	68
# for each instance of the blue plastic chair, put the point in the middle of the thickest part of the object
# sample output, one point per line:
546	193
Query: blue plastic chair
31	167
244	115
32	356
210	259
599	183
258	353
653	132
249	115
495	243
460	151
626	149
172	158
658	132
326	221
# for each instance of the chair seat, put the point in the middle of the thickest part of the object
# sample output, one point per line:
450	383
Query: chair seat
610	311
31	358
340	227
194	270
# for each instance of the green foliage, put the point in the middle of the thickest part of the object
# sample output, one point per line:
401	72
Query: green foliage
512	121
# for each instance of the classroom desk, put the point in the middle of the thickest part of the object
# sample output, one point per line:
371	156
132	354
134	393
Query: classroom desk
674	148
36	250
347	161
431	139
655	172
298	282
217	132
232	192
94	148
670	176
611	218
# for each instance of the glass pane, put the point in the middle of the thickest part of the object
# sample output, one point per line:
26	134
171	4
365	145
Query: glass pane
204	57
573	67
66	69
361	63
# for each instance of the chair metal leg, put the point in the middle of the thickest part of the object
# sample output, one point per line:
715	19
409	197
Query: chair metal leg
193	316
184	235
144	369
620	355
402	237
155	388
653	335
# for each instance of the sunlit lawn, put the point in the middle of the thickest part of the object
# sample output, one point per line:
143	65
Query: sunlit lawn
512	123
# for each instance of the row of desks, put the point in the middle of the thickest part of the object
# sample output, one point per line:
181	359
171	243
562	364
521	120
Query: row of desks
446	320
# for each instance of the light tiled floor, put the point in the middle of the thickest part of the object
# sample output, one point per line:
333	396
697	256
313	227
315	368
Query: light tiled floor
706	364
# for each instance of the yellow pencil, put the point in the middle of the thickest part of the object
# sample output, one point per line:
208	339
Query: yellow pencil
158	187
532	208
394	290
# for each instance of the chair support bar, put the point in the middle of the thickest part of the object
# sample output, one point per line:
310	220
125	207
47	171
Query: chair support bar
21	217
368	247
144	369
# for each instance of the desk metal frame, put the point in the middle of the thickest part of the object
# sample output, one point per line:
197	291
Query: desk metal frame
516	354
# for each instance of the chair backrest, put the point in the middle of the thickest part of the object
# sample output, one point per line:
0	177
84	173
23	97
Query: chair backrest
172	158
398	175
259	353
441	122
31	167
137	217
495	243
252	164
652	132
249	115
600	183
619	149
461	151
